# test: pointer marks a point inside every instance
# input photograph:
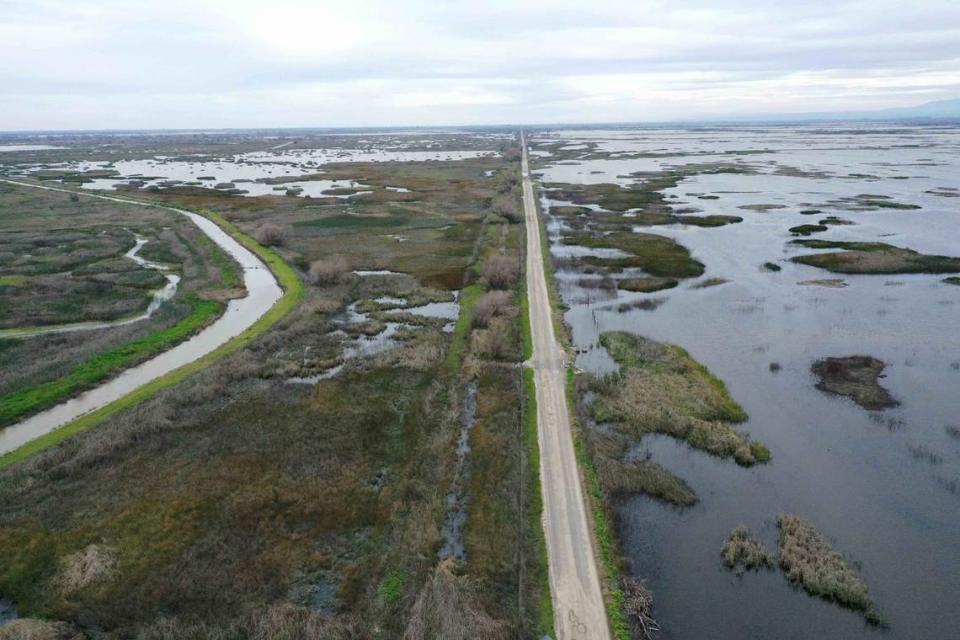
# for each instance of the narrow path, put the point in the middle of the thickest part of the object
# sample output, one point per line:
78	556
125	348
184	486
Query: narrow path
263	292
579	610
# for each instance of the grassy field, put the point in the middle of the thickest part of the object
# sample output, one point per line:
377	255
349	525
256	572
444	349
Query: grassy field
224	500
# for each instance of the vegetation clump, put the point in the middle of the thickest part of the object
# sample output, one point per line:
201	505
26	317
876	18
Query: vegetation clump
646	285
772	266
808	561
657	255
741	553
807	229
873	257
661	389
855	377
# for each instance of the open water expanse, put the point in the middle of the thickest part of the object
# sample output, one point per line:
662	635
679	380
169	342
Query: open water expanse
883	487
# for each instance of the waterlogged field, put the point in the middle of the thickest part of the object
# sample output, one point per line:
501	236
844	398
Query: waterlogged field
763	252
362	468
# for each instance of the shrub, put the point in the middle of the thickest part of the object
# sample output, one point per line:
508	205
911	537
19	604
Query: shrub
501	272
506	207
270	234
493	303
328	270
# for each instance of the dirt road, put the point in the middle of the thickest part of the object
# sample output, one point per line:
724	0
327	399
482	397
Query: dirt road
574	580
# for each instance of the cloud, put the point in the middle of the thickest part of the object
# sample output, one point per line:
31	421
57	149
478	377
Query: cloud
217	63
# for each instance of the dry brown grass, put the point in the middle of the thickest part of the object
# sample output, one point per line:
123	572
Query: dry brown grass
84	568
810	562
30	629
491	305
501	272
741	553
447	608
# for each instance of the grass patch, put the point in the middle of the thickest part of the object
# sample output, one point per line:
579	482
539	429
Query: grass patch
535	514
807	229
874	257
657	255
810	562
391	587
13	281
461	330
646	285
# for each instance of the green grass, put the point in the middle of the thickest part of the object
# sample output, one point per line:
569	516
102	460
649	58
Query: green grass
102	366
391	589
532	444
461	330
12	281
293	293
656	255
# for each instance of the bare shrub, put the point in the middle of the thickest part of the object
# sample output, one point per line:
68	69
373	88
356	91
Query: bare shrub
500	272
493	303
329	270
491	344
270	234
638	605
507	207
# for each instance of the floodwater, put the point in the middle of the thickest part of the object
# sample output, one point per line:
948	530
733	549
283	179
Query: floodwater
262	293
157	298
855	474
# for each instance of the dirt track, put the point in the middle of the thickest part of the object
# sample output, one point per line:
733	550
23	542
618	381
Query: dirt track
574	580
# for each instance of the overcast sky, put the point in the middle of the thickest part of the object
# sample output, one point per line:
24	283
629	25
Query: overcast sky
78	64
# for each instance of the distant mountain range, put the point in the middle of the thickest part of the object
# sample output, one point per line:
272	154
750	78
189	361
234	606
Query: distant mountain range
938	110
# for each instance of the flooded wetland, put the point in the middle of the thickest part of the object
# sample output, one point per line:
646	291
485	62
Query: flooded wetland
808	269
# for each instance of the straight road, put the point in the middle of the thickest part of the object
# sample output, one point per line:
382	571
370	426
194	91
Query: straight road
579	611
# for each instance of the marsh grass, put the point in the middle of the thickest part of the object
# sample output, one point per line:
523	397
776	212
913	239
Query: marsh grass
873	258
741	553
808	561
661	389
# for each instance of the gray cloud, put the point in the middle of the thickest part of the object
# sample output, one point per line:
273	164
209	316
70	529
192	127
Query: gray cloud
87	64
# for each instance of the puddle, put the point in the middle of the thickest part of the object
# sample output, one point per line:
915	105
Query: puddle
457	499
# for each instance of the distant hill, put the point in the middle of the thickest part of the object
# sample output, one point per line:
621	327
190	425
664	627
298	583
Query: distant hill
938	110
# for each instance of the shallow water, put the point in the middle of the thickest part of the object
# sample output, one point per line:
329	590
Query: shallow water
243	170
851	472
262	292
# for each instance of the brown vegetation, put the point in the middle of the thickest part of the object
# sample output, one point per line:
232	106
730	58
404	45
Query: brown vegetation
741	553
501	272
810	562
328	271
855	377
